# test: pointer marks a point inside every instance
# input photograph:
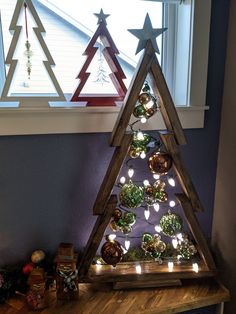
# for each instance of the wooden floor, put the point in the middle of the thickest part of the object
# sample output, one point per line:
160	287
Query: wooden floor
102	299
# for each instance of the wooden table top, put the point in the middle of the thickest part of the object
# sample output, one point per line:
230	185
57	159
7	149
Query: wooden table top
101	298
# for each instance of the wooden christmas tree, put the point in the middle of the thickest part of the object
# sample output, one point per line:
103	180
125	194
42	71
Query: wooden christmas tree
17	30
162	262
117	75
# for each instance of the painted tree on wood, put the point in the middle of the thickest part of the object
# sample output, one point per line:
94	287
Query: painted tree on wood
145	233
18	31
110	53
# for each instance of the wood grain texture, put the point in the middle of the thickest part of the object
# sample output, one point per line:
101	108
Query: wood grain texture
101	299
167	106
111	175
182	174
150	271
195	229
132	95
96	237
145	284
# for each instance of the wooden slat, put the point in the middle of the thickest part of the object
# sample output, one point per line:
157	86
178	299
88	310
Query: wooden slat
111	175
196	231
96	237
150	271
167	106
145	284
132	95
183	176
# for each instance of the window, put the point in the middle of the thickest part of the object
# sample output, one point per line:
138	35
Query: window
67	35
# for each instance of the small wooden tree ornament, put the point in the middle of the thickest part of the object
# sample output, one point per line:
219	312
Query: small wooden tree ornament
36	297
66	272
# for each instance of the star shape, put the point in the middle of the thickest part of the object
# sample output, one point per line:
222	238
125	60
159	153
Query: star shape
101	17
147	33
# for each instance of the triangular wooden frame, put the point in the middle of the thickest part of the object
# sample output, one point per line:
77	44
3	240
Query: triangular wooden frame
117	75
189	200
28	101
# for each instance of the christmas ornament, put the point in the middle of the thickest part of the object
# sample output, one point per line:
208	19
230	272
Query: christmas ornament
27	268
124	224
171	224
129	218
153	245
113	226
186	249
28	52
37	256
139	144
160	163
131	195
111	252
117	214
156	193
146	105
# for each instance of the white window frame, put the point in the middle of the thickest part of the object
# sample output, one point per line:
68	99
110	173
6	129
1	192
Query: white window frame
38	120
2	58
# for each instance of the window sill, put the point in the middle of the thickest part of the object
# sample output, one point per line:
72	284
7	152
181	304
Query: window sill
22	121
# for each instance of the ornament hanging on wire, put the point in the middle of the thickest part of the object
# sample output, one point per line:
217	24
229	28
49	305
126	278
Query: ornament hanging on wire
121	222
131	195
146	106
28	53
139	144
171	224
156	193
160	163
185	248
152	245
111	252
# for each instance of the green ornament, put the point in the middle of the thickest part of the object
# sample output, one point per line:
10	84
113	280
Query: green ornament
126	229
131	195
186	250
171	224
129	218
139	111
146	237
155	254
121	223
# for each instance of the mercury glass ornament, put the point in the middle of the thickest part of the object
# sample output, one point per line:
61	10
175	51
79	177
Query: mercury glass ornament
139	111
186	249
131	195
111	252
171	224
153	245
160	163
129	218
113	226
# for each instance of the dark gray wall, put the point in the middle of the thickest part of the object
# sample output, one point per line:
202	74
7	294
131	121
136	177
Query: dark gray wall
48	183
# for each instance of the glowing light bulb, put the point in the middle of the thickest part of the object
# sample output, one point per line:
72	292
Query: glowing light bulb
122	180
143	155
146	183
124	250
98	262
156	207
175	243
156	176
138	269
127	244
140	136
171	181
170	266
195	267
143	120
158	228
147	213
180	237
130	172
172	203
111	237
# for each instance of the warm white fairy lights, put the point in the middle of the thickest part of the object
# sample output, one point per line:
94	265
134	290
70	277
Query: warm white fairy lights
180	237
140	136
143	120
111	237
138	269
170	266
174	243
143	155
122	180
130	172
172	203
171	181
156	176
147	213
127	244
195	267
146	183
156	207
158	228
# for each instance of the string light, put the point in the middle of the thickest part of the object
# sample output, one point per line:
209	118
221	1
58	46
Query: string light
195	267
170	266
143	155
138	269
156	176
122	180
146	183
143	120
98	264
140	136
111	237
172	203
130	172
127	244
156	207
180	237
147	213
175	243
158	228
171	181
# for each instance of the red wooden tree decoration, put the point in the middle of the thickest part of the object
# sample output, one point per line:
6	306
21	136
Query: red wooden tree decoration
117	75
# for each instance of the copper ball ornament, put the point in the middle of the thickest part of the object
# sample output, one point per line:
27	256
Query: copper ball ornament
113	226
144	98
111	252
117	214
37	256
160	163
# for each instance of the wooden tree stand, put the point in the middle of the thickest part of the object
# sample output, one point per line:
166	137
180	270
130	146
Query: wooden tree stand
151	274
